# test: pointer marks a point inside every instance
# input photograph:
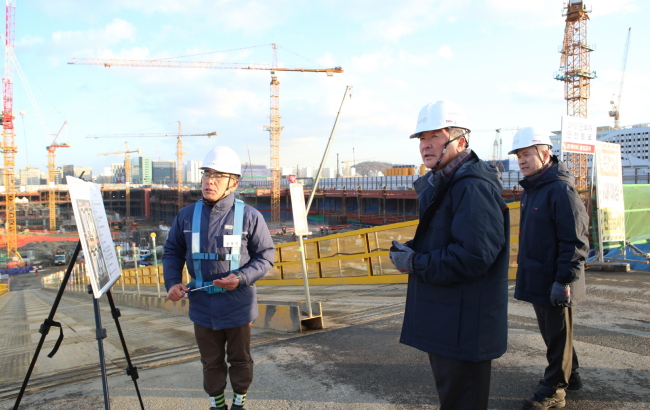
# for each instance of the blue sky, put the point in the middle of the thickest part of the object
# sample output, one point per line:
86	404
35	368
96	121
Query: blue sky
496	58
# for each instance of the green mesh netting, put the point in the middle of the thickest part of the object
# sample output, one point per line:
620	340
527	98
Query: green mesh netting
637	212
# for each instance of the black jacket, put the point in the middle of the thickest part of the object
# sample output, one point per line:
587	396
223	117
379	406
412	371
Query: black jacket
457	299
553	242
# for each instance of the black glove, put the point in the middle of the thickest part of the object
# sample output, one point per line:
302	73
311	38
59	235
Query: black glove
560	295
402	257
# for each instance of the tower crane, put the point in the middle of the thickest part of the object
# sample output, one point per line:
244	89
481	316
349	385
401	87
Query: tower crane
51	171
127	173
179	150
616	98
575	72
9	148
275	127
497	147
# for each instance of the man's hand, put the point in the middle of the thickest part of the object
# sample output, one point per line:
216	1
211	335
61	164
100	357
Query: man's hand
402	257
176	292
560	295
230	282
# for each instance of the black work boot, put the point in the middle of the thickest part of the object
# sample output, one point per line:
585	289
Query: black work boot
225	407
543	402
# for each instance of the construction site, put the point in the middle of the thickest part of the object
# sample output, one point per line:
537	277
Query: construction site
135	210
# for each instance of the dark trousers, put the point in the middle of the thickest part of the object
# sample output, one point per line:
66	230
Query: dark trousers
213	346
556	327
461	385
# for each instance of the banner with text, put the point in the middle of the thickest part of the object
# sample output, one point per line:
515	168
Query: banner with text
578	135
609	189
299	209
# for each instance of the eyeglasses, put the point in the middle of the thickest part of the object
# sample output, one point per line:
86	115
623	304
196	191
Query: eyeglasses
214	176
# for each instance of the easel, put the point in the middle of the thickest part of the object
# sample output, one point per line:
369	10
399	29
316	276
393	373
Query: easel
100	334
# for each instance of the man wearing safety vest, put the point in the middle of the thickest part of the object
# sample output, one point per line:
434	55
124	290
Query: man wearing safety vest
457	295
553	246
226	246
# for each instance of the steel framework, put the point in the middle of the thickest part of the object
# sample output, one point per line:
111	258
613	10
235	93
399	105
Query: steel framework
9	148
576	74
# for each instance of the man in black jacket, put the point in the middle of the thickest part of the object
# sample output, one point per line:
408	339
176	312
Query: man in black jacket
553	246
457	296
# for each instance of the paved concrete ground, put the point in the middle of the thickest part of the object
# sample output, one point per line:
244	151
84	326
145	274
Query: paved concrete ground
356	363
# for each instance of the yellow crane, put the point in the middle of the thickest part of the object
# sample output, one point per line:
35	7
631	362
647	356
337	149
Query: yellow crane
575	72
51	173
127	173
179	150
275	128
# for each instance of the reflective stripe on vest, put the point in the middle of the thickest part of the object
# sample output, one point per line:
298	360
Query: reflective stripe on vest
198	256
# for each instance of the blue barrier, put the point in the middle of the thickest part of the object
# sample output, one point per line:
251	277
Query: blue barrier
16	271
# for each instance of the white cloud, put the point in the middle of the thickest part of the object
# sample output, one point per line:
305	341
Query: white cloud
445	51
29	40
114	32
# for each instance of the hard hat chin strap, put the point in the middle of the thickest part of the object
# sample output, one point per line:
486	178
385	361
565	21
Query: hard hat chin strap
228	189
444	150
540	155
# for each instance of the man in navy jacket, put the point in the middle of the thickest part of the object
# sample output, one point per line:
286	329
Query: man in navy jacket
457	296
226	246
553	246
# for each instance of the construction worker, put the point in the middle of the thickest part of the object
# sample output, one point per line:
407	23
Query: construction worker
226	246
457	296
553	247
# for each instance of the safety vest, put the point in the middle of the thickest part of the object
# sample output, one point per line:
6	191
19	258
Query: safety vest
197	256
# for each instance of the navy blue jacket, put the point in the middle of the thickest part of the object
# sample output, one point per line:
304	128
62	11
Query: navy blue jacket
457	297
553	242
220	310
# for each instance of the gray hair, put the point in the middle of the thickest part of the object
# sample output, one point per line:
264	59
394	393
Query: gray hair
459	132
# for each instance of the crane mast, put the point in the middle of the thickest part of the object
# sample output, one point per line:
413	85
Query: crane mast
127	173
9	148
51	174
576	74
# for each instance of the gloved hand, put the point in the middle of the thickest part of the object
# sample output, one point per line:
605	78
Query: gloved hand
560	295
402	257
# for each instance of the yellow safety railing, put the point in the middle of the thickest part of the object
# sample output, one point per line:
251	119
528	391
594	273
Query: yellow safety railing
356	257
4	289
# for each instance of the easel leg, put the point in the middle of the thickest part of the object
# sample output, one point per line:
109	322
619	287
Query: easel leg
45	327
101	335
130	370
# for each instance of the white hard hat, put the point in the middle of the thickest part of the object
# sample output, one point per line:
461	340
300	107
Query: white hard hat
530	136
439	115
222	159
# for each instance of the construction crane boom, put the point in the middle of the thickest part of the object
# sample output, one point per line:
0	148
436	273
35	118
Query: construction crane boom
127	173
179	151
616	98
275	128
51	174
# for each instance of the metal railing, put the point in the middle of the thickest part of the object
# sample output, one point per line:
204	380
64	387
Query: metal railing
355	257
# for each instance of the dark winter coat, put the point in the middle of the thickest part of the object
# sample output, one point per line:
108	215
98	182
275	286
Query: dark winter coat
457	297
553	242
233	308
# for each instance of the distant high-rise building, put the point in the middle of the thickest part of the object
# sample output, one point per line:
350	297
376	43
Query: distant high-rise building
117	170
141	171
193	171
252	172
30	176
85	172
164	172
67	170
